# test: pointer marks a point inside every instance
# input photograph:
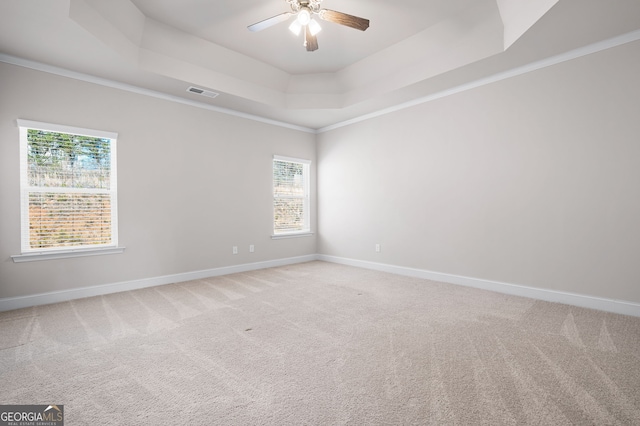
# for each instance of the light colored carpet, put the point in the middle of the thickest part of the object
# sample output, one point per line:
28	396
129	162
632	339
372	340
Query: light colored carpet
322	344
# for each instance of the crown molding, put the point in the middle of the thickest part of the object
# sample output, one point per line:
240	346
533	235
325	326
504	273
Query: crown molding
50	69
533	66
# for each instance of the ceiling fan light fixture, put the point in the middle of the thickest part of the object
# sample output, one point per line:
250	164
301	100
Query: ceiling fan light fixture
314	27
295	27
304	16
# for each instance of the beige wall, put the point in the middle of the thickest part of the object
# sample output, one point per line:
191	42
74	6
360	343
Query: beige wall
534	180
192	183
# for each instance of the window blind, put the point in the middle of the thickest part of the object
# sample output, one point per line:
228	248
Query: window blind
290	195
68	187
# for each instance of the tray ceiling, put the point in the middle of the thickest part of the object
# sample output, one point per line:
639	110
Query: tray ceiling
412	49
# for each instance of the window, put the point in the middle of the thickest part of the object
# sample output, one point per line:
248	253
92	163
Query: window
290	196
67	188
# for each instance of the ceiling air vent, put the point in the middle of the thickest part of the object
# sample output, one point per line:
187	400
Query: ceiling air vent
202	92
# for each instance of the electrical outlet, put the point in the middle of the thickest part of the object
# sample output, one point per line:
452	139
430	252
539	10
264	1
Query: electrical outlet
235	249
377	248
251	248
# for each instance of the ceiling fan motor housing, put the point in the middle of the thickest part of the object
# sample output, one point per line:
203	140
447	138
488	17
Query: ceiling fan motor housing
312	5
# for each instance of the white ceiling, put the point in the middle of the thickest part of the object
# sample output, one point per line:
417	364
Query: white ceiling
225	22
412	49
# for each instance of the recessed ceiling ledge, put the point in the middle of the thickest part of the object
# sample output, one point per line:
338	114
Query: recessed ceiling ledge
200	76
314	101
484	30
122	32
518	16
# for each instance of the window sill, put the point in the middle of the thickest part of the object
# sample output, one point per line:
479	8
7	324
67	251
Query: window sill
291	235
50	255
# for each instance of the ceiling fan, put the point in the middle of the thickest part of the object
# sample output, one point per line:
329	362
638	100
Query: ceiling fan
304	11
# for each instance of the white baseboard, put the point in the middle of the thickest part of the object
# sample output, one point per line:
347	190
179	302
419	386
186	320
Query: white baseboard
584	301
602	304
11	303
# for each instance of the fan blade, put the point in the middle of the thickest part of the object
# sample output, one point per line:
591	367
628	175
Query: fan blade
344	19
259	26
310	41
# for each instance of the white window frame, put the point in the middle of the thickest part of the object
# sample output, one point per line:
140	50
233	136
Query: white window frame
306	231
31	254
